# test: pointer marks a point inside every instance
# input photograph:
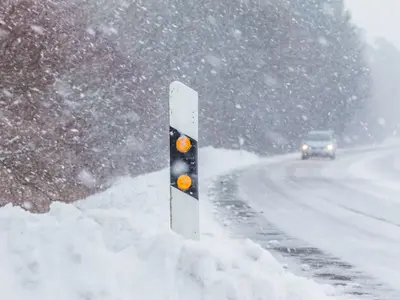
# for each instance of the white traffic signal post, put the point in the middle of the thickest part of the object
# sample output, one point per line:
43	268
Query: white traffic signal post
184	182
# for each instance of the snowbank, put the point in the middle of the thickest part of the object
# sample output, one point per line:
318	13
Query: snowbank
117	246
381	169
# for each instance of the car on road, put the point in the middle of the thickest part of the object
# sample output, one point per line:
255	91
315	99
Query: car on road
319	144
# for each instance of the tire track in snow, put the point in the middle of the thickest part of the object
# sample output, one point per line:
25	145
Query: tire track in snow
303	258
344	185
300	188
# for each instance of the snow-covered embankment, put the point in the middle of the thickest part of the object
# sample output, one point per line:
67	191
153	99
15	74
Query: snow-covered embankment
117	245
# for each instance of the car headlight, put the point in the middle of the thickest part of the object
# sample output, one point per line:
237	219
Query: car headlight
329	147
304	147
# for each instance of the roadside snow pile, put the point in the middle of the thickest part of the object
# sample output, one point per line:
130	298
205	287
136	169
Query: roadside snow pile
380	170
117	246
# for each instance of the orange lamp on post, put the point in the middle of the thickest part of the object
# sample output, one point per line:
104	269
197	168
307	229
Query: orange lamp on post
184	182
183	144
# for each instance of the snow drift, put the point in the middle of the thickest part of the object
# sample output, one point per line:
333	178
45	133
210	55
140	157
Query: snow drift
116	245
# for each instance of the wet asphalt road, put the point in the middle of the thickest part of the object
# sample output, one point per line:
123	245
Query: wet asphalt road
298	256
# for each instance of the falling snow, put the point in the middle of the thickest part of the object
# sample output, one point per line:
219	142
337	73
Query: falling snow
323	41
213	61
38	29
7	93
180	167
86	86
86	178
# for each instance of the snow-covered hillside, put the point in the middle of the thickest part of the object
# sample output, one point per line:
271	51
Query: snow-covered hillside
117	246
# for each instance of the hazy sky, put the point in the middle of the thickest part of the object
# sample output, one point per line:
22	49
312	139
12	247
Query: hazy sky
377	17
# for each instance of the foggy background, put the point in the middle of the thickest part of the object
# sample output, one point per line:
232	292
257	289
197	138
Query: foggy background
83	84
379	20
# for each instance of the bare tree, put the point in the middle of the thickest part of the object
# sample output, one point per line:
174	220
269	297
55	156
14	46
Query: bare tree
47	137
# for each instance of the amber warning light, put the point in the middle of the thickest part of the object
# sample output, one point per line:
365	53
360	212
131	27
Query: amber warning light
183	144
184	182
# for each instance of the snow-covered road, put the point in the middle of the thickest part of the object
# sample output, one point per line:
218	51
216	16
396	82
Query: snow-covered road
348	208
